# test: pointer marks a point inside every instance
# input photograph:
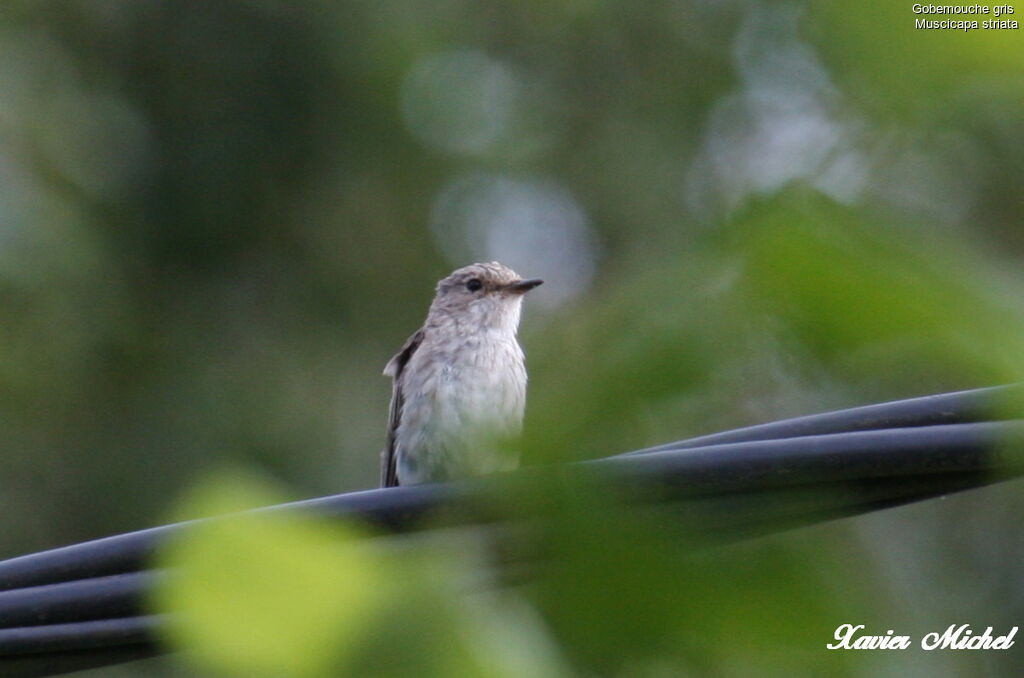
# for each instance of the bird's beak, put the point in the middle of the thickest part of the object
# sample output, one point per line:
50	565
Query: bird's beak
523	286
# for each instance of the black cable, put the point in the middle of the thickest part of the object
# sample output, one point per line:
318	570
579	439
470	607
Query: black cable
961	407
126	553
77	606
837	471
688	472
59	648
56	649
77	636
79	600
984	446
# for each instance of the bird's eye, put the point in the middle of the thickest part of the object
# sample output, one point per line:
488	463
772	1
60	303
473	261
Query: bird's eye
474	285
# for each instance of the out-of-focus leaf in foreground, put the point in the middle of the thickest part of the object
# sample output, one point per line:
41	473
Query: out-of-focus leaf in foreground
906	69
882	300
632	593
267	594
286	594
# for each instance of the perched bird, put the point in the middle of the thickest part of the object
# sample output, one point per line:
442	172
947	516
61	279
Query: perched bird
459	381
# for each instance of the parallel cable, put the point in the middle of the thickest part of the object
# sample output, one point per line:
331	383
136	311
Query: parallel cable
79	606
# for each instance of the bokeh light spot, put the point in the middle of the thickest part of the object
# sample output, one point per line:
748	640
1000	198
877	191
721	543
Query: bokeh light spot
459	101
536	227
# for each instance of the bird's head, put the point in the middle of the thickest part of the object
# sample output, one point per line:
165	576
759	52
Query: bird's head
487	295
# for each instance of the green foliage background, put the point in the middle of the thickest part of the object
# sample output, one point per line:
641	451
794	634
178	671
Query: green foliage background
218	220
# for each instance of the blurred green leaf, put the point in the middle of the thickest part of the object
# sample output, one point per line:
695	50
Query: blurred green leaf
879	300
262	594
632	592
905	70
286	594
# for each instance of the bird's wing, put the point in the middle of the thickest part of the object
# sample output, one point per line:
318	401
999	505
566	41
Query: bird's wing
394	369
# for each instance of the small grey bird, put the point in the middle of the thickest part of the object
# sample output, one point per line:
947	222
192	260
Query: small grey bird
459	381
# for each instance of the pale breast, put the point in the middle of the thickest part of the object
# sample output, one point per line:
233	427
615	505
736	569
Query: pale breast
458	404
484	384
